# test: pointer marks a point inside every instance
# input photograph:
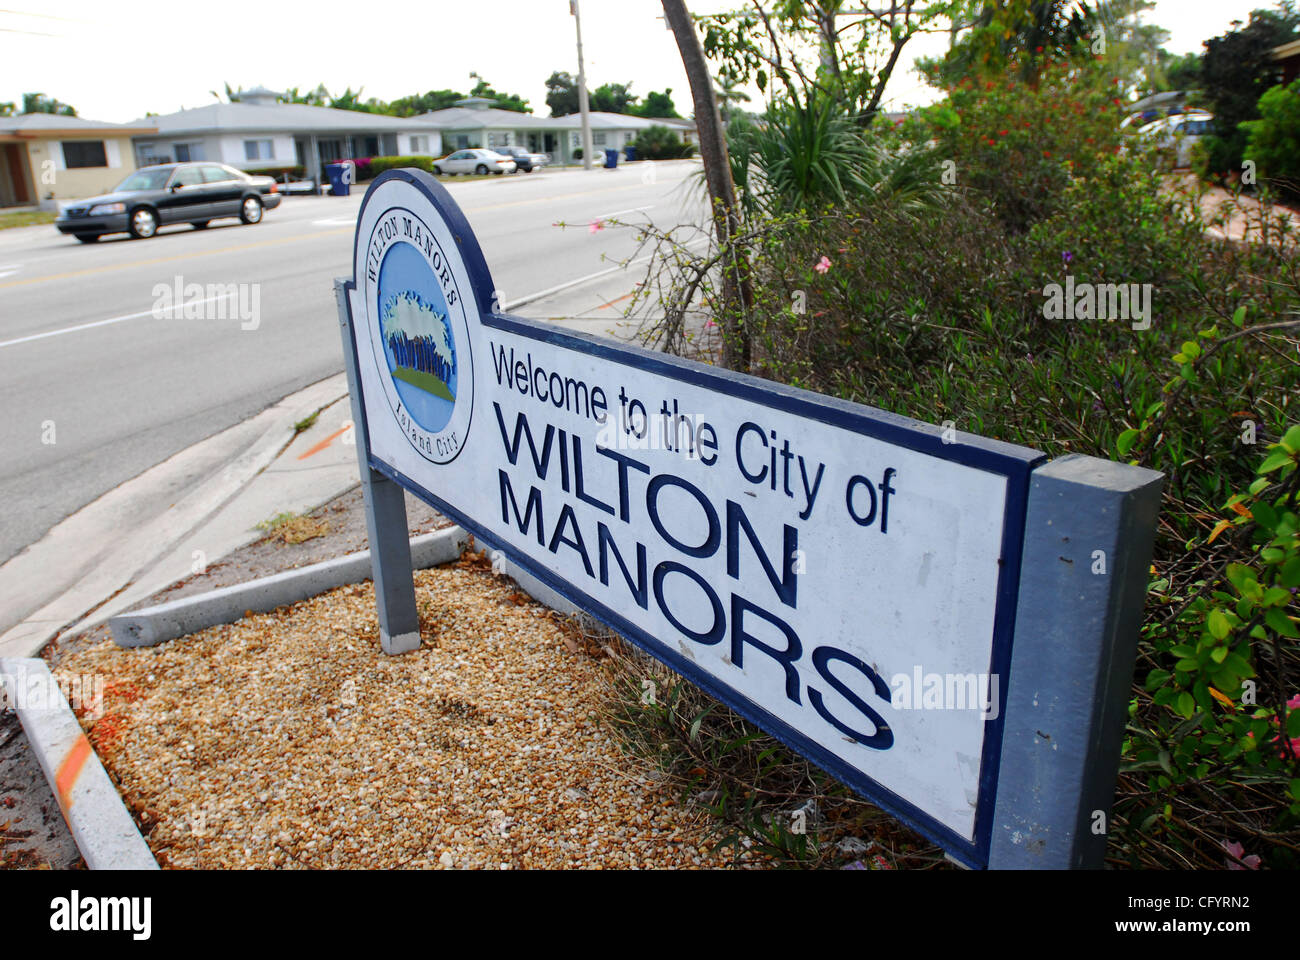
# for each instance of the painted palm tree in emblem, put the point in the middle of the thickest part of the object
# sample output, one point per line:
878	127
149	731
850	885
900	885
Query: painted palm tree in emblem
420	340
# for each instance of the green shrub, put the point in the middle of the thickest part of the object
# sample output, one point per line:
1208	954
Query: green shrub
1274	139
1022	145
661	143
379	164
938	314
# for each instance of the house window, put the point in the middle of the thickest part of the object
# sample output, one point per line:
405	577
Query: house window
185	152
498	140
420	144
462	141
84	153
258	150
598	139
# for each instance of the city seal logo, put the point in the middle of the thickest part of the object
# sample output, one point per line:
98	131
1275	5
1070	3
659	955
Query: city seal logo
420	333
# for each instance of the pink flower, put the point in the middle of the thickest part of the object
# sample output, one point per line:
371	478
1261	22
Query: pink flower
822	265
710	323
596	225
1238	851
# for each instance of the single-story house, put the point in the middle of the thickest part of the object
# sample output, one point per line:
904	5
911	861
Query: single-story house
1289	56
473	122
258	132
48	157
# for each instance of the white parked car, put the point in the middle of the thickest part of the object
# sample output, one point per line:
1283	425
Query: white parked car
474	161
1175	136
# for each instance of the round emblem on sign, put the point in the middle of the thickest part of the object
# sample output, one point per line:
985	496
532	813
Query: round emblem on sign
420	335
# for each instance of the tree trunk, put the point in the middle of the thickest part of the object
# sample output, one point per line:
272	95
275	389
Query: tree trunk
736	291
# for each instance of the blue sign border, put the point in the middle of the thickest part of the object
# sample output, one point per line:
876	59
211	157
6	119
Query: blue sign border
1013	462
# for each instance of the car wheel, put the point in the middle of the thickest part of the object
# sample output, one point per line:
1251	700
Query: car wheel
88	237
251	210
144	223
481	169
201	224
437	170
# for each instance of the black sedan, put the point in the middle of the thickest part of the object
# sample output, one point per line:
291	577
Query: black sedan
169	193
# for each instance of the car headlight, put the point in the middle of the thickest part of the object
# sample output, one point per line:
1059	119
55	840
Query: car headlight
100	209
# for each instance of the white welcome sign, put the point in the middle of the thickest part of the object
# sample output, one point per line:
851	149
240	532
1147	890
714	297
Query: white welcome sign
845	578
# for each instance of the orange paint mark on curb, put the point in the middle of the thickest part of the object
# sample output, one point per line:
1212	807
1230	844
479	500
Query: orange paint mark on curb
70	769
323	444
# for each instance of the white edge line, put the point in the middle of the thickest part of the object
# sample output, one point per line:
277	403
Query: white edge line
607	216
514	304
104	323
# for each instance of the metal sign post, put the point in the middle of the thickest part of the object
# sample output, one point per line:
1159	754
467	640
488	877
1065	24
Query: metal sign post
944	622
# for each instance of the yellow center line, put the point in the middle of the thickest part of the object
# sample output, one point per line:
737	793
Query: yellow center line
180	256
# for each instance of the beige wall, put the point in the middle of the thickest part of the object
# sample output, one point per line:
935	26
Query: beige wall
55	183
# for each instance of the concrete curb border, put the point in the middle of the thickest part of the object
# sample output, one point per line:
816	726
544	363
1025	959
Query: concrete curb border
100	823
167	621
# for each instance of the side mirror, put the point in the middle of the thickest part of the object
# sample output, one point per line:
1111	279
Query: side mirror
176	186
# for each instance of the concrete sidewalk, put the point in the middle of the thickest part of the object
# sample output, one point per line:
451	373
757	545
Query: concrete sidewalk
177	517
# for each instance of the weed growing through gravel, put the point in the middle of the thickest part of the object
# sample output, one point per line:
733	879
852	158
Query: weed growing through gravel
768	804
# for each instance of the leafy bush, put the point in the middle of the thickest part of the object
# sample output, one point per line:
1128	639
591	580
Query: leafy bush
363	168
379	164
1274	139
1021	145
939	314
661	143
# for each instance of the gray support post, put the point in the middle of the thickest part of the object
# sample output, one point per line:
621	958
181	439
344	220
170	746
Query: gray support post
1089	532
390	547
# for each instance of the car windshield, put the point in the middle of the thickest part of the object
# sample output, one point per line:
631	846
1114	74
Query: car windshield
146	179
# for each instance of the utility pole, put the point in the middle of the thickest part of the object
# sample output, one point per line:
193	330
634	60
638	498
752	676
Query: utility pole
583	107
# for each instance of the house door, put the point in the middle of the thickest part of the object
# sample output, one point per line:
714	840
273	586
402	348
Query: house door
16	180
549	143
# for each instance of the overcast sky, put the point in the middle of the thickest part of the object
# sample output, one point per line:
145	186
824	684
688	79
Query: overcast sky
115	61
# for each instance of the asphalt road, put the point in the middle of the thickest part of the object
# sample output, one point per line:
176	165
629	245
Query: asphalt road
95	389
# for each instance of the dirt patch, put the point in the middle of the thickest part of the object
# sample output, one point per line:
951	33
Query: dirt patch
32	832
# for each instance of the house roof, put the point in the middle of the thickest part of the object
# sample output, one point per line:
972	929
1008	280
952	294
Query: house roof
474	118
1286	51
52	124
280	118
462	118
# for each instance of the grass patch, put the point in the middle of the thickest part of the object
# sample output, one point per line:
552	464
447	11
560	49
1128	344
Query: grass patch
293	527
425	381
306	423
26	218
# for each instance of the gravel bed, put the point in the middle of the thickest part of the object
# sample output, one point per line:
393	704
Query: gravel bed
289	740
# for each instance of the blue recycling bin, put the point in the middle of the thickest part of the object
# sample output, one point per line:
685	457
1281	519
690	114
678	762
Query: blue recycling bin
629	152
340	175
611	159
